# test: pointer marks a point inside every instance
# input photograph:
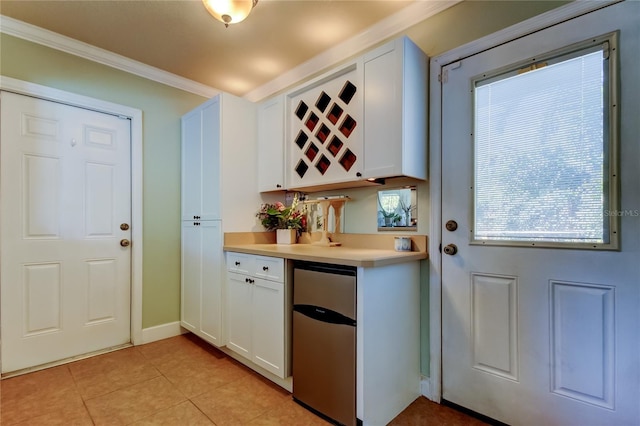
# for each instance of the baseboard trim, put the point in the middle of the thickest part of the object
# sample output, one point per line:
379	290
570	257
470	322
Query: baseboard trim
162	331
286	384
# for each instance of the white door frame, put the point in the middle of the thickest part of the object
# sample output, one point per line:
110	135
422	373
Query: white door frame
135	115
432	389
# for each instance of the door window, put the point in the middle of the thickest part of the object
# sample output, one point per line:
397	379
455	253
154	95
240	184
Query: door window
544	172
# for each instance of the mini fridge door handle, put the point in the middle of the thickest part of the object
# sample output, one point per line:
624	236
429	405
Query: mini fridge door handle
323	314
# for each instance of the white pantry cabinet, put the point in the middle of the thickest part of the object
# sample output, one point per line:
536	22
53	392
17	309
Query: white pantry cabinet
395	111
224	126
271	145
258	311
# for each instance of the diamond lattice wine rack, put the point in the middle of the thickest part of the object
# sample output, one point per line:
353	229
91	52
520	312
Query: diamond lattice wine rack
325	142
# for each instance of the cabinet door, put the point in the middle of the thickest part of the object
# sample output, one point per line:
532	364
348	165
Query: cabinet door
191	165
324	130
239	290
191	276
210	167
268	326
382	112
212	275
271	145
201	162
395	111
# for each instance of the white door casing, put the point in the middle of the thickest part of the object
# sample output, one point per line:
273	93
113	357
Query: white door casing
533	335
48	277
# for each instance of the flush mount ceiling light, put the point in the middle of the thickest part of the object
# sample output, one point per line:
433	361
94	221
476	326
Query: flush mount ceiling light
229	11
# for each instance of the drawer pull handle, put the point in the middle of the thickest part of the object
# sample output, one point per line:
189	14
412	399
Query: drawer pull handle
249	280
237	263
265	268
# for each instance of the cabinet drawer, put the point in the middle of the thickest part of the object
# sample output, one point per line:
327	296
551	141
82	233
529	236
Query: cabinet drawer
240	263
270	268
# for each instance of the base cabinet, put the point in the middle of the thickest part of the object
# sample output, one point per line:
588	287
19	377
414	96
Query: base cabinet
201	311
388	375
257	319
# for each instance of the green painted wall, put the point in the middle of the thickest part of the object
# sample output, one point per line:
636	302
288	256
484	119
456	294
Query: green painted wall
470	20
162	106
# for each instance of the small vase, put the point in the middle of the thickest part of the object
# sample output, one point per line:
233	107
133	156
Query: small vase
286	236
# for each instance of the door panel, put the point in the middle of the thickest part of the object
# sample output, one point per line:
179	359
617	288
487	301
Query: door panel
239	299
42	298
536	335
212	270
191	276
66	188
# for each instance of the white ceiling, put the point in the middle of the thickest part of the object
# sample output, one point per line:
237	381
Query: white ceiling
280	42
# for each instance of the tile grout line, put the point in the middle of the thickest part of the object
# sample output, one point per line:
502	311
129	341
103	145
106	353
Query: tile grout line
84	402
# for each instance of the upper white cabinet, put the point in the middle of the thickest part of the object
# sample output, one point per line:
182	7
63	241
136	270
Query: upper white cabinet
271	145
395	111
364	120
201	162
324	129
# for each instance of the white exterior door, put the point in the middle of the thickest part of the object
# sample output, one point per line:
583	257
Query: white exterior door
66	196
541	335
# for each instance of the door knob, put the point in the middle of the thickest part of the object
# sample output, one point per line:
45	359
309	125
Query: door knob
451	225
124	226
125	243
450	249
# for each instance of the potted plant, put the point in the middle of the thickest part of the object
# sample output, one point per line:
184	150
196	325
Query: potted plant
288	222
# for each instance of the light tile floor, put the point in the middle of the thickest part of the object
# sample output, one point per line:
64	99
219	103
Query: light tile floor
177	381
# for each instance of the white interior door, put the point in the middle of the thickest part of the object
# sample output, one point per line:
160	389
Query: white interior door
541	332
66	189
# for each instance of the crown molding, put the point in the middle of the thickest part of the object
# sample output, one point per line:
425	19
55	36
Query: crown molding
385	29
16	28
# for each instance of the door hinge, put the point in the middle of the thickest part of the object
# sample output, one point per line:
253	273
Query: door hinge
444	77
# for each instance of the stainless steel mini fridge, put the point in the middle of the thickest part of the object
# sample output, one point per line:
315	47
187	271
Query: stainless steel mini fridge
324	339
